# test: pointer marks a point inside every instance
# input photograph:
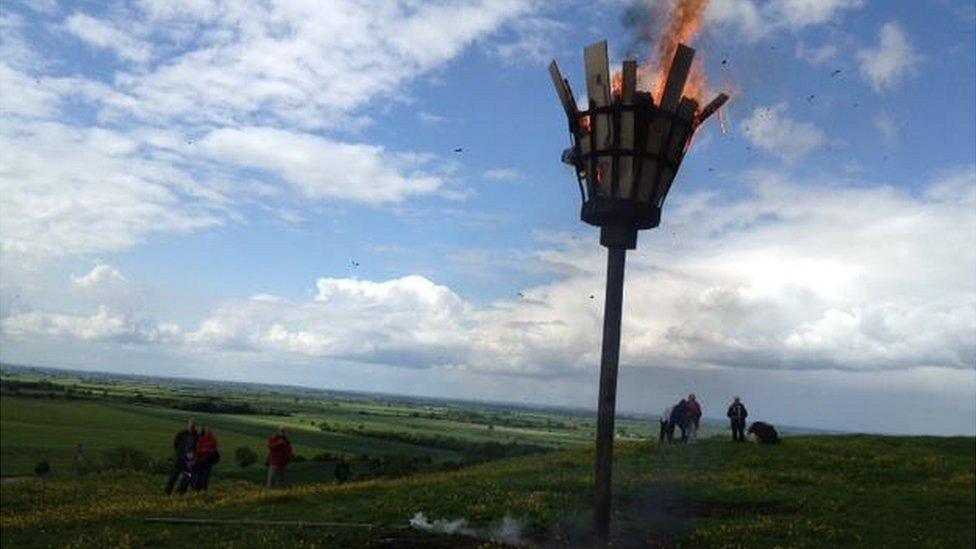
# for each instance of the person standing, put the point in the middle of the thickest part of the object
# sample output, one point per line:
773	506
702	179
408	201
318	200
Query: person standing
78	458
737	416
279	454
667	428
694	417
207	457
184	453
679	419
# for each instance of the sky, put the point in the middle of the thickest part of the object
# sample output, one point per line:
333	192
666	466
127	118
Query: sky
368	196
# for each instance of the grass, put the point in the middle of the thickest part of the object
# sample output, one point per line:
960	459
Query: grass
35	429
808	492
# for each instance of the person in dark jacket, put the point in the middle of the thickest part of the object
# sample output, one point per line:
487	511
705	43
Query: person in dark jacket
679	418
184	454
693	420
279	454
667	428
737	416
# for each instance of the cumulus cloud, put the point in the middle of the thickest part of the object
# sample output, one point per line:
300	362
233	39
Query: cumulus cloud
96	163
770	129
802	13
102	275
792	276
891	61
305	64
71	190
103	34
320	167
226	90
754	20
408	321
103	325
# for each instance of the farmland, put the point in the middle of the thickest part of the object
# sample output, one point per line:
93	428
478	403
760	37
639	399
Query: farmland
45	414
487	464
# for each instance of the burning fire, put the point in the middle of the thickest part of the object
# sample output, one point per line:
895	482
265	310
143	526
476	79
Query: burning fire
682	23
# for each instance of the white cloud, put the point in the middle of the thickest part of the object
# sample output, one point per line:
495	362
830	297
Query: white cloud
793	276
408	321
72	191
101	276
816	56
802	13
754	21
502	174
742	15
888	126
103	34
770	129
22	96
103	325
430	118
534	40
320	167
231	74
891	61
307	64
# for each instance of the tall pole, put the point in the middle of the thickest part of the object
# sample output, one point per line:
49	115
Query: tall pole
616	257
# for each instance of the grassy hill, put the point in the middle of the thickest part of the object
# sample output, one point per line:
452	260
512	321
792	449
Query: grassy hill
808	492
49	429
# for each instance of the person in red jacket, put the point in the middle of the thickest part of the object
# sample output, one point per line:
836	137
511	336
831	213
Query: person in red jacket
207	457
279	454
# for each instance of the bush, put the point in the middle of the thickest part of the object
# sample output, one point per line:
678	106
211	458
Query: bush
126	457
342	472
298	459
245	457
42	468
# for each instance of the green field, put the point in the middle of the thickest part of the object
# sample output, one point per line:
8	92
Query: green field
477	462
808	492
33	429
45	415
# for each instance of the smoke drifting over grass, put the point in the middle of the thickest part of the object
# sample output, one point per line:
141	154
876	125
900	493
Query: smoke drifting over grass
507	531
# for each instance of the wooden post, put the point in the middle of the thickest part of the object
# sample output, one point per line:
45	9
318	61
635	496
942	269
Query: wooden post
680	137
562	90
660	126
626	129
601	134
710	108
606	407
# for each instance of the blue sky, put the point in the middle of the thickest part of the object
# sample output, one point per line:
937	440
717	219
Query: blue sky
270	192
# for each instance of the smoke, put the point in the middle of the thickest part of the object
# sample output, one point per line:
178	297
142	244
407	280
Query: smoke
507	531
441	526
658	27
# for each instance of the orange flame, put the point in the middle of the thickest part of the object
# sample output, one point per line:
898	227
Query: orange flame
617	86
683	22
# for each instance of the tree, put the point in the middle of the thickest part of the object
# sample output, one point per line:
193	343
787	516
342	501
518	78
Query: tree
245	457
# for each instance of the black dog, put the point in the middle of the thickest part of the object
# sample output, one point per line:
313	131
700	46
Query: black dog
764	432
